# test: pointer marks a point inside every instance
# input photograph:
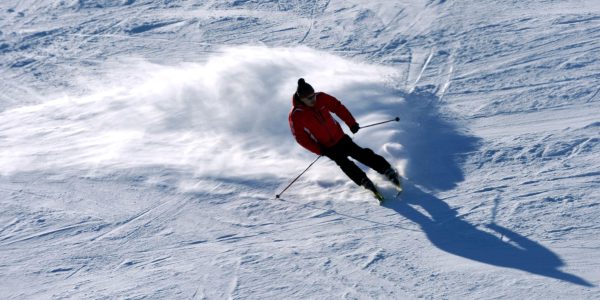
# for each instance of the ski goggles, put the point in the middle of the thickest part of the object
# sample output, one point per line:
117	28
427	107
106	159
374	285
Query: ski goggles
309	97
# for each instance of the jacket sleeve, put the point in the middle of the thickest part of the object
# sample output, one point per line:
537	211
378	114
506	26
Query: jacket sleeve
303	136
334	105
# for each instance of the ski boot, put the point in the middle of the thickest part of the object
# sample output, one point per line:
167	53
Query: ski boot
393	177
368	184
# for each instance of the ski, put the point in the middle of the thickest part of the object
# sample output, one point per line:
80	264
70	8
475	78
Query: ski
380	198
399	189
398	195
394	178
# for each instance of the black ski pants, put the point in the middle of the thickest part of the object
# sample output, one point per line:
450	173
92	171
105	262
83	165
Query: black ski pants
347	148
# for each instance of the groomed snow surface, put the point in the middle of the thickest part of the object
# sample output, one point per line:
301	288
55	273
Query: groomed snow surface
142	144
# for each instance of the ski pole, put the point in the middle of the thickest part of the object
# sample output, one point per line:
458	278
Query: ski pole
288	186
397	119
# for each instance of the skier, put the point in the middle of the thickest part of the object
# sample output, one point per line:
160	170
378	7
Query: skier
316	130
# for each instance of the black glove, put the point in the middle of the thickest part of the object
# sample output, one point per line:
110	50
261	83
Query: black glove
355	128
324	150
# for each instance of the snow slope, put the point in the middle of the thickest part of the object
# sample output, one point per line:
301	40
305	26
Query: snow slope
142	144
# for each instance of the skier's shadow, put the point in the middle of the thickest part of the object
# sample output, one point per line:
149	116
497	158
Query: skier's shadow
499	247
434	148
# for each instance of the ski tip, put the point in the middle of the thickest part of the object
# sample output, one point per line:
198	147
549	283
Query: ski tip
399	193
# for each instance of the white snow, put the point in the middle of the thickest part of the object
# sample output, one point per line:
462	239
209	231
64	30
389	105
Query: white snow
142	144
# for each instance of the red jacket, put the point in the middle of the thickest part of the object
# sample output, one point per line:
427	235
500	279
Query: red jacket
314	127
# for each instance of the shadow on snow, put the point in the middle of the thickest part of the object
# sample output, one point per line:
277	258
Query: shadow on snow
456	236
435	149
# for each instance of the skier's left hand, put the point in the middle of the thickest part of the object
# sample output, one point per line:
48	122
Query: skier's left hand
324	150
355	128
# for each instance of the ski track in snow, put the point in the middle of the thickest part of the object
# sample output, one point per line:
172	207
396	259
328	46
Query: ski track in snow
142	144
